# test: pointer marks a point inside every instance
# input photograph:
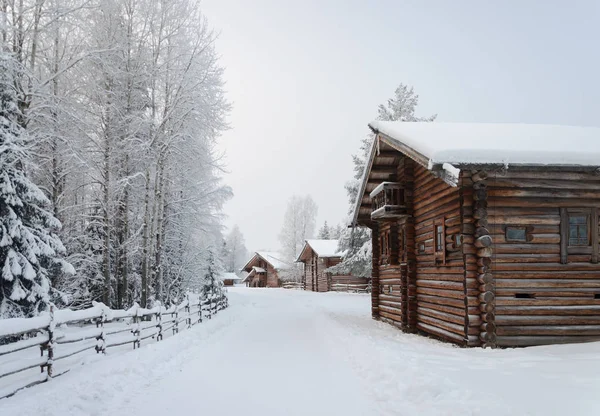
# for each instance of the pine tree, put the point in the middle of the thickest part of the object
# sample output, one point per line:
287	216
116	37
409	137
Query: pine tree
29	249
212	284
356	241
324	232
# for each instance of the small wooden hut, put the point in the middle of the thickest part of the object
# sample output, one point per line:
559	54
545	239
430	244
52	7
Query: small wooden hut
263	269
485	234
317	256
230	279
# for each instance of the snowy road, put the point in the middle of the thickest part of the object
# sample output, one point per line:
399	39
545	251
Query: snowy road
277	352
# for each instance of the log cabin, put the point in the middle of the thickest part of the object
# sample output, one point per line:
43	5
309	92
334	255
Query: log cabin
317	256
485	234
264	268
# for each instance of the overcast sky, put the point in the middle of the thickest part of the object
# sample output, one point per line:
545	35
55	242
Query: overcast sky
305	78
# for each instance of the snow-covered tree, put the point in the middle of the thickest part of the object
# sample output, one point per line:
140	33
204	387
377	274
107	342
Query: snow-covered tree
235	251
212	285
355	242
122	102
324	232
29	248
299	224
402	106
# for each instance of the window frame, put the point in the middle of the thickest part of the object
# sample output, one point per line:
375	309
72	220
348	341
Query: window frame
566	249
439	252
515	240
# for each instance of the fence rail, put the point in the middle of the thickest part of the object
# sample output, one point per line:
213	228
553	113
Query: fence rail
292	285
350	287
60	334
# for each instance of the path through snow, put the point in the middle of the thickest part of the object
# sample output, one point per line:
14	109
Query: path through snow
278	352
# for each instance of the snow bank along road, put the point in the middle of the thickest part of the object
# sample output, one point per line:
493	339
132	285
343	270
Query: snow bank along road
284	352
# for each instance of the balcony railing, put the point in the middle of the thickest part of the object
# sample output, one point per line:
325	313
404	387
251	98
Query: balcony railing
388	201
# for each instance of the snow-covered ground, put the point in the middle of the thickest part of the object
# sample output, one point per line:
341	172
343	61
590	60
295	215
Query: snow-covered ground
278	352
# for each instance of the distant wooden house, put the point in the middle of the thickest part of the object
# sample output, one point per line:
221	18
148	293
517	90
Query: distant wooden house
317	256
264	269
230	279
485	234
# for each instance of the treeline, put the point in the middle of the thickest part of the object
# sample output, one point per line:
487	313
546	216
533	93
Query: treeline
118	107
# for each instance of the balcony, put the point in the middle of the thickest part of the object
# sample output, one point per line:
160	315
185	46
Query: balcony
388	201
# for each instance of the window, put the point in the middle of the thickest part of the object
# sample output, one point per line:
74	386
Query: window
516	234
457	240
579	230
579	234
439	238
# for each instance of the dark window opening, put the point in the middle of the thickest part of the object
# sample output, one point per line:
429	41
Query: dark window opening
516	234
596	295
579	230
524	296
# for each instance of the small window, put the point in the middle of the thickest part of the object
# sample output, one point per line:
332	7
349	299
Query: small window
421	248
457	240
439	238
579	230
516	234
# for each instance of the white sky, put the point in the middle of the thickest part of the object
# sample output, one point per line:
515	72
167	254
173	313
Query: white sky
305	78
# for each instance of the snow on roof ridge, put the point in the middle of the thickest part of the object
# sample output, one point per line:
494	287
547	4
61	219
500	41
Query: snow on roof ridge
274	258
496	143
325	247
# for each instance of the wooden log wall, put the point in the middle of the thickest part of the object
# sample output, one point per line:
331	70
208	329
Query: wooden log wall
272	277
546	292
375	271
351	283
409	247
440	280
390	305
322	279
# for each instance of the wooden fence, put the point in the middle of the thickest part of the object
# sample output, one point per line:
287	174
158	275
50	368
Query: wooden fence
292	285
98	328
351	288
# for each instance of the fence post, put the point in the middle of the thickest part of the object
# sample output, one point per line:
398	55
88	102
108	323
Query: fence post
101	344
136	329
199	308
51	340
188	310
176	322
159	334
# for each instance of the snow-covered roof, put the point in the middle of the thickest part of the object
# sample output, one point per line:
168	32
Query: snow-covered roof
488	143
229	276
271	257
259	269
323	248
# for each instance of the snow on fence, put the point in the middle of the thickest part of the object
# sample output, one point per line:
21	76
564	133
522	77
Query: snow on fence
292	285
60	334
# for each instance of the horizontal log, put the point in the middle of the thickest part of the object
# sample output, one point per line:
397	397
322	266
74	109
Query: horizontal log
528	341
570	310
576	330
